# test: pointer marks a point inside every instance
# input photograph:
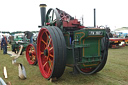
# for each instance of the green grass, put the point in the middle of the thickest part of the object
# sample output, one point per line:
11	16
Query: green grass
115	72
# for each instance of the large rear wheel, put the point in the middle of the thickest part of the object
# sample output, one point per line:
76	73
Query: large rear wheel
51	51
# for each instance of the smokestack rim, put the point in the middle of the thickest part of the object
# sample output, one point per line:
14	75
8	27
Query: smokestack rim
43	5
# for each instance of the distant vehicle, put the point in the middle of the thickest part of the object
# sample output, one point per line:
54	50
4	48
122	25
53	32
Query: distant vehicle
19	37
17	40
117	42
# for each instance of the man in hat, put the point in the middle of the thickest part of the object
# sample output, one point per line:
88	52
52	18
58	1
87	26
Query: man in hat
4	43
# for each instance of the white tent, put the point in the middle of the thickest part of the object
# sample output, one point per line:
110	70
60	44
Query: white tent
123	31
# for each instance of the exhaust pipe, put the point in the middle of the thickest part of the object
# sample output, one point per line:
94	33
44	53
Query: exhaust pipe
94	17
43	13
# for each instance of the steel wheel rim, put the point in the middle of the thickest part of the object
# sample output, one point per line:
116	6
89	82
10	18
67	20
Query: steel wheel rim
31	54
46	53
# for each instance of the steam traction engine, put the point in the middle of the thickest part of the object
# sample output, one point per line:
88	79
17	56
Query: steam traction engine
63	41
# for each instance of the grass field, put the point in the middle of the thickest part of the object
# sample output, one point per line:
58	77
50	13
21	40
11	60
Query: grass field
115	72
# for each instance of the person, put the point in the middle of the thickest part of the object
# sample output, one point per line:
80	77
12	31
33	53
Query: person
29	35
1	43
4	43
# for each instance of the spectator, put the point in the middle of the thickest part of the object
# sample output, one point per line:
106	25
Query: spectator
1	43
29	35
4	43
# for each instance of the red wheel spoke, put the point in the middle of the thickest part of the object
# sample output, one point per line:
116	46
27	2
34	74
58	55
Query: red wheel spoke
44	42
45	64
49	69
51	55
51	48
49	42
47	36
45	47
51	64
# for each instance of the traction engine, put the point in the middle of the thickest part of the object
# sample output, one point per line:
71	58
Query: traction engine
63	41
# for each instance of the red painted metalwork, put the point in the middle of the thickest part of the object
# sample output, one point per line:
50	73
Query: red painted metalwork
68	21
45	53
31	54
72	23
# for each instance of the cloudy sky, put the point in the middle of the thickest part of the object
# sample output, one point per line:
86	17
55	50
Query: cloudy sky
16	15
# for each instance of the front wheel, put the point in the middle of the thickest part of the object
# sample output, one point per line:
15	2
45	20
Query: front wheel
31	54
